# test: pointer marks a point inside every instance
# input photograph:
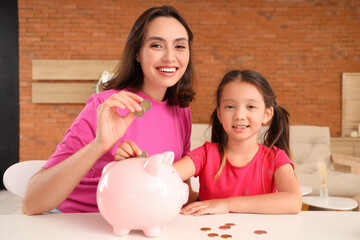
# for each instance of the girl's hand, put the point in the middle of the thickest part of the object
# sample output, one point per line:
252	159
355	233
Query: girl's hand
127	149
110	125
216	206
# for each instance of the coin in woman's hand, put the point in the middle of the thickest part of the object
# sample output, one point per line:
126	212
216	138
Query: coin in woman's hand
139	113
145	104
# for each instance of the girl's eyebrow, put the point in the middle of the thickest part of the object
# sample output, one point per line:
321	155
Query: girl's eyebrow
250	100
154	38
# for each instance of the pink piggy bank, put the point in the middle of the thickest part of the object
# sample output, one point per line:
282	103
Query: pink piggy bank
141	193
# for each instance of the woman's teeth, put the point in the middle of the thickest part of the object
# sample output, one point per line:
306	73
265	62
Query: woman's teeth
167	70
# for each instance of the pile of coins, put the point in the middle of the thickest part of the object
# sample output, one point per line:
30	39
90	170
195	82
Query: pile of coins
146	105
225	227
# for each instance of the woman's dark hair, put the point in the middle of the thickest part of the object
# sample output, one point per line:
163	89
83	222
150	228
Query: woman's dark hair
129	73
278	132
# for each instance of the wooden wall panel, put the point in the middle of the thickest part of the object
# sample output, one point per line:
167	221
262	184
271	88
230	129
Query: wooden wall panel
350	103
62	92
71	69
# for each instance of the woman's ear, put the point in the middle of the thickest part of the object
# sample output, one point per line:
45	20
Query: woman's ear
137	58
269	112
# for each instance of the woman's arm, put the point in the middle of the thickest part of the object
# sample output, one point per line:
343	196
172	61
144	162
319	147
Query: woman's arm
50	187
286	200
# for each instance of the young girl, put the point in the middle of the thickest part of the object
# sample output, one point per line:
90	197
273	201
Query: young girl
156	65
236	173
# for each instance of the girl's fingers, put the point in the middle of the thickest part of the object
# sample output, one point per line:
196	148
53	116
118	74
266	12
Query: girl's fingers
127	149
135	148
193	208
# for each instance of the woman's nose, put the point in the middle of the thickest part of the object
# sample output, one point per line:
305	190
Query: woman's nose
169	55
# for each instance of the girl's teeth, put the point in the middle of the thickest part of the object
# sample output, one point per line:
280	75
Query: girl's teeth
241	127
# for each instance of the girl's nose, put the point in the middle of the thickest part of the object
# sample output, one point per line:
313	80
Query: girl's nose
240	114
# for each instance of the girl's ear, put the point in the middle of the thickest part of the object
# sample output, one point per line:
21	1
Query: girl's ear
269	112
218	113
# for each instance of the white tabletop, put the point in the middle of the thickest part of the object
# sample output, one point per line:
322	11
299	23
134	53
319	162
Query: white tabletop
332	203
305	190
305	225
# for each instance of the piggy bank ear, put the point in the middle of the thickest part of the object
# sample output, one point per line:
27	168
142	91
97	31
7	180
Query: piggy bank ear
168	157
107	167
152	165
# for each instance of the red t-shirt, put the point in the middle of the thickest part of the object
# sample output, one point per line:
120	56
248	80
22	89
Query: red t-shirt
236	181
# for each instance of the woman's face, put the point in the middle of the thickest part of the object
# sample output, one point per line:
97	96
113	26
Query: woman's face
164	54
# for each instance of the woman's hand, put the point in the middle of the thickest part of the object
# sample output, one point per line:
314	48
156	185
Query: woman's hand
126	150
216	206
110	125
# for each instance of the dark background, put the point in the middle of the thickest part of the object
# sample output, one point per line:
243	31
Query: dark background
9	86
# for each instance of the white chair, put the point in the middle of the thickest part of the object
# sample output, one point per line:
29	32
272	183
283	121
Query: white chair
17	176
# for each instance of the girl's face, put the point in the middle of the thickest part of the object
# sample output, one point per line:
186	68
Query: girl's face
164	54
242	111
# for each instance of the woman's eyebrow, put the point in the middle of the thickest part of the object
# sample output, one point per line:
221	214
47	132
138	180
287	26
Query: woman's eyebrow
154	38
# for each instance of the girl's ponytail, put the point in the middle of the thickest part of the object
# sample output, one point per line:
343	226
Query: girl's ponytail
278	133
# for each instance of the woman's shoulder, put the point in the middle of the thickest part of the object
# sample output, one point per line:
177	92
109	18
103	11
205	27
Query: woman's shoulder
100	97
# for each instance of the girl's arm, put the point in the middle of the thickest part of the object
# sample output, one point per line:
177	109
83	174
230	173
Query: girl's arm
50	187
286	200
186	169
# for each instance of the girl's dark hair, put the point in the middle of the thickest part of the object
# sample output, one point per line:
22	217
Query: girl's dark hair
129	74
278	132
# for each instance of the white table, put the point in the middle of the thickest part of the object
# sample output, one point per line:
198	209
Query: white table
329	225
330	203
305	190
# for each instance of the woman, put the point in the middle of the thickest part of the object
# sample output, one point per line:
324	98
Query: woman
156	66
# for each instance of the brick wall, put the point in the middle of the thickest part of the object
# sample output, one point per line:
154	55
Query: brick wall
300	46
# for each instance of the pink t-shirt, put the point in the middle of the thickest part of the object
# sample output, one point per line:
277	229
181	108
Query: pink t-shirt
236	181
162	128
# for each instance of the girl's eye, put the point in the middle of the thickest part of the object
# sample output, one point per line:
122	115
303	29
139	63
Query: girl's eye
251	107
229	107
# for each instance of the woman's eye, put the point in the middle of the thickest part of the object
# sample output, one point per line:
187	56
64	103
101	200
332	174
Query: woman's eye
181	46
251	107
155	45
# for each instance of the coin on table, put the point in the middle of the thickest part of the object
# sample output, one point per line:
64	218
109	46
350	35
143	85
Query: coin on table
204	229
230	224
224	227
260	232
145	104
139	113
226	236
143	154
213	235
